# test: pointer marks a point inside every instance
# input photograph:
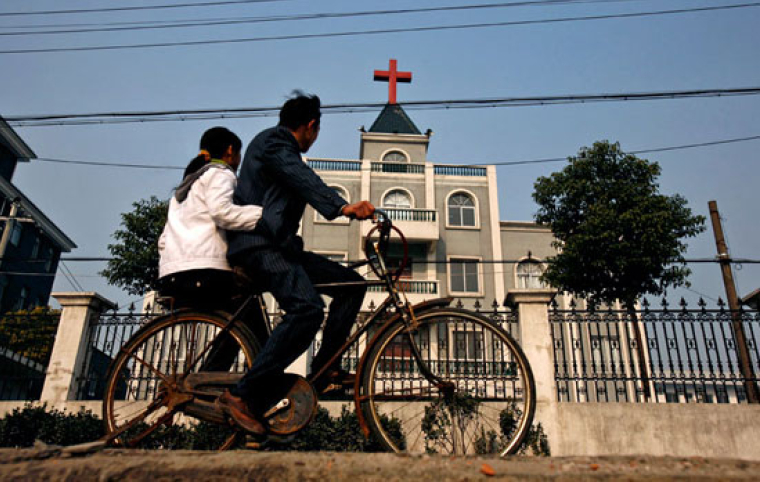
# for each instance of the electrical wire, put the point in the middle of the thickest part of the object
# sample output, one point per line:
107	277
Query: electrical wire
506	163
354	33
482	261
65	269
100	118
159	25
133	8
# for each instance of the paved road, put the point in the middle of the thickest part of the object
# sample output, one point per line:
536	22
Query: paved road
39	465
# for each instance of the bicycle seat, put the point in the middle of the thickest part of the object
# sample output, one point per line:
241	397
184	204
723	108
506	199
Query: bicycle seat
244	282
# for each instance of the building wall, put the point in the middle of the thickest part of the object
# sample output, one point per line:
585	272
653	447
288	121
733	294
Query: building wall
430	187
7	162
19	291
520	240
374	146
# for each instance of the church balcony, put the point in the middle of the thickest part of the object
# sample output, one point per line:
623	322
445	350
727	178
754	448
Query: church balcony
398	168
334	165
416	291
465	171
416	224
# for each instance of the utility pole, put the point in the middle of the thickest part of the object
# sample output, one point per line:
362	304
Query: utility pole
745	361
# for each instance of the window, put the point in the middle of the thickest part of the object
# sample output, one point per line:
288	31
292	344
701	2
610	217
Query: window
397	198
529	275
16	233
35	248
464	276
461	210
468	345
49	257
395	156
342	192
21	301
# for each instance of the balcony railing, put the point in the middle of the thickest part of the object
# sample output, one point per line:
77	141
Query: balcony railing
334	165
419	215
412	287
468	171
398	167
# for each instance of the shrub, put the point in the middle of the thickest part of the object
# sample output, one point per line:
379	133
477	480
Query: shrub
23	426
340	434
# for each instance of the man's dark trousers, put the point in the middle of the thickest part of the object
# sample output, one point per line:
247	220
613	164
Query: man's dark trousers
290	276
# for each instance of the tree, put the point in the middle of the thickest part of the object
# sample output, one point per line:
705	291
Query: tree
134	266
618	237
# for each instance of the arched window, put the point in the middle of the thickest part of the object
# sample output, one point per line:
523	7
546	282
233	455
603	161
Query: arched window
461	210
342	192
395	156
529	275
397	198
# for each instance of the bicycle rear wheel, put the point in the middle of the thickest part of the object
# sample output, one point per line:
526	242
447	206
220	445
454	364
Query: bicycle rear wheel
146	390
485	404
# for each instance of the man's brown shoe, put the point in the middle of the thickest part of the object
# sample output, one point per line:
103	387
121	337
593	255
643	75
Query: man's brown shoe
238	410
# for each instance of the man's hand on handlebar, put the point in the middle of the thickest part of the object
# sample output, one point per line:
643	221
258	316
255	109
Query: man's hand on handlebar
360	210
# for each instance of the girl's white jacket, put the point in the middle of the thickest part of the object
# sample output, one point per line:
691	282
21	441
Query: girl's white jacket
194	235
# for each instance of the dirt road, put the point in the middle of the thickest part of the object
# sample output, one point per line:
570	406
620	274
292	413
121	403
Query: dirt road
39	465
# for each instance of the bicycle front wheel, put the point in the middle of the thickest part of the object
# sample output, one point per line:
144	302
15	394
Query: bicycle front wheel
147	382
482	403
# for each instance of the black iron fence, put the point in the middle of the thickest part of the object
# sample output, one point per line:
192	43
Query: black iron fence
663	355
26	342
469	354
107	334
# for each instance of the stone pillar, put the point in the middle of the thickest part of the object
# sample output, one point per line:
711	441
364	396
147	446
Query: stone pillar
70	347
536	341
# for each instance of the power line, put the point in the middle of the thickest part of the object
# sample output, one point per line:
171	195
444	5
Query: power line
270	111
65	269
161	25
639	151
355	33
505	163
483	261
133	8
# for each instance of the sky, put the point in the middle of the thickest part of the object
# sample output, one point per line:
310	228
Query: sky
696	50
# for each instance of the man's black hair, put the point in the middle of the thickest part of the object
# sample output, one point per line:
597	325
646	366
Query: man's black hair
299	110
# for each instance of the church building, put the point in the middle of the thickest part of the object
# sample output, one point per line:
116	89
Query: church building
449	214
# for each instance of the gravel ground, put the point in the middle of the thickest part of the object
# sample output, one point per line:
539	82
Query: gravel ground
46	463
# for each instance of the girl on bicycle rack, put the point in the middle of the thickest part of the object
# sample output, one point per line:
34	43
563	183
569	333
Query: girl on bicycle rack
193	246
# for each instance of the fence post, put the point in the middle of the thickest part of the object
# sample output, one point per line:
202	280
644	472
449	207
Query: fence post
70	347
536	341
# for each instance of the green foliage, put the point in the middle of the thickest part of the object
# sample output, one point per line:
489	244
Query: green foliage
619	237
446	422
535	442
30	333
22	427
340	434
134	266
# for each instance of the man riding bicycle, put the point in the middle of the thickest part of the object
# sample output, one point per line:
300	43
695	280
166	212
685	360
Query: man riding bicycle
274	175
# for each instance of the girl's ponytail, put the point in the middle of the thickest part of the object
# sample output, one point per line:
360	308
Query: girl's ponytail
214	144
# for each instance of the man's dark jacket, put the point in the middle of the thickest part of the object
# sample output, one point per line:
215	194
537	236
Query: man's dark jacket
274	176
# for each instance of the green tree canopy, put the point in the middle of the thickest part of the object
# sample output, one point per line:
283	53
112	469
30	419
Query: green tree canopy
134	266
618	237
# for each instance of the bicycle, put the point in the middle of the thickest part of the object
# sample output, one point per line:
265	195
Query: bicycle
431	378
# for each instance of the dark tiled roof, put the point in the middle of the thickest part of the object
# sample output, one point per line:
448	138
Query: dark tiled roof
393	120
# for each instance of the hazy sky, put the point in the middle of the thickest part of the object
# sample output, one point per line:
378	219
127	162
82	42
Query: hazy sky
700	50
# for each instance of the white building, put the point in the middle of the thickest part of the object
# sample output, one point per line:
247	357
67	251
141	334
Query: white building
448	213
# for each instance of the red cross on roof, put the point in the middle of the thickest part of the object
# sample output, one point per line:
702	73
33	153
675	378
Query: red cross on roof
392	76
